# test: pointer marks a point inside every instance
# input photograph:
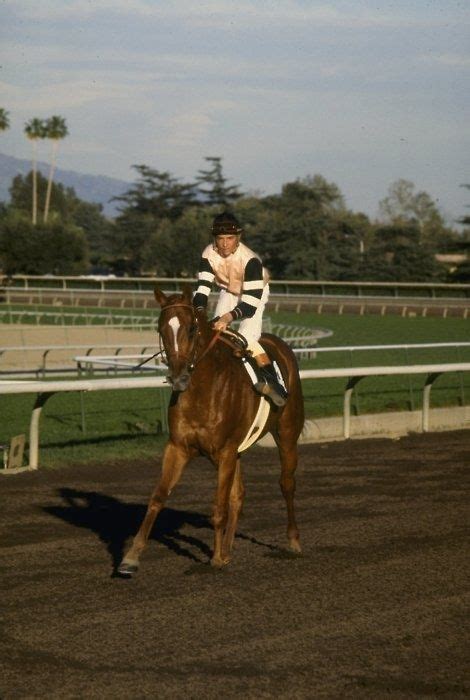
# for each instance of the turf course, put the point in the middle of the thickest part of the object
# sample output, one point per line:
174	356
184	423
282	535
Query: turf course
128	424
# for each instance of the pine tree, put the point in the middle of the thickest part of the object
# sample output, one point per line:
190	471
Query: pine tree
214	185
4	120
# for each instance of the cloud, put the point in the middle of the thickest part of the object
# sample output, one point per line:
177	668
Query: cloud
86	146
279	88
228	14
48	73
189	128
57	10
448	59
68	95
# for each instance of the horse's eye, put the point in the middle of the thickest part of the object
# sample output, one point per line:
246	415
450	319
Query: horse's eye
192	330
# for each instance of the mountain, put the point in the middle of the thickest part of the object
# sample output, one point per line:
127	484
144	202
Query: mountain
91	188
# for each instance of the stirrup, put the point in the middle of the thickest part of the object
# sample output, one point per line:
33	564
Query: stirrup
267	390
269	386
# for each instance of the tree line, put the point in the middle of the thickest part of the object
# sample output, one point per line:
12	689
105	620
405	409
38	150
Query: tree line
54	129
305	231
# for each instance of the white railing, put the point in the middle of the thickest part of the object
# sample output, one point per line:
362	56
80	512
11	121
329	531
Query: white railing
46	351
355	374
320	300
45	389
401	346
298	336
86	363
130	284
80	318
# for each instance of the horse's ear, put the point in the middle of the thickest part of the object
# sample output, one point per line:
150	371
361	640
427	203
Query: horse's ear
160	296
187	292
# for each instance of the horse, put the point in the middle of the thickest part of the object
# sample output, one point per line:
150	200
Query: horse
212	406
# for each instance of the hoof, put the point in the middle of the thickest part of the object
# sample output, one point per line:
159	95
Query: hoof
219	562
127	568
295	547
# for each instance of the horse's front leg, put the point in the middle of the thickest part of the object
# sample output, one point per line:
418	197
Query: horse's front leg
225	477
175	459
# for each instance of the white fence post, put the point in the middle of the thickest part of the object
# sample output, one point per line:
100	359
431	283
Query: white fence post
430	379
34	429
352	381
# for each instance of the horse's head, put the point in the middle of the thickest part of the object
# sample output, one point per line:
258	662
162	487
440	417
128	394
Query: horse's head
178	329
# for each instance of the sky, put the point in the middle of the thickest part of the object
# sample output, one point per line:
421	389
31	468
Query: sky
362	92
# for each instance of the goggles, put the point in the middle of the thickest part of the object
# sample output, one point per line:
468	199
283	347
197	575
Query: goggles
221	229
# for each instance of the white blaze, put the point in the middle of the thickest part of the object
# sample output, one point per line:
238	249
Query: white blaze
174	325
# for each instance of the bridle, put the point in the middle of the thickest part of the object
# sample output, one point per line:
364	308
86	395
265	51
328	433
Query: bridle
194	333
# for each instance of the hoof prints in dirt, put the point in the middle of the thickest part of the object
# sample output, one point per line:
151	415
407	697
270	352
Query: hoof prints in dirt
375	605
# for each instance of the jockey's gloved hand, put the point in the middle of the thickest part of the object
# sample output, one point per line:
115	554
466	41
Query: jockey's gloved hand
221	324
214	320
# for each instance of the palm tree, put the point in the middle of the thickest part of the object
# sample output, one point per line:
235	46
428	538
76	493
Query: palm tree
56	130
4	121
35	129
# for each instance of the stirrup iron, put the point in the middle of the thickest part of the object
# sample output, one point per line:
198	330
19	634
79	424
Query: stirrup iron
269	385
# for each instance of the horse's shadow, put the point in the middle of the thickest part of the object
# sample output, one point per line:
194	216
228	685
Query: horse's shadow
114	522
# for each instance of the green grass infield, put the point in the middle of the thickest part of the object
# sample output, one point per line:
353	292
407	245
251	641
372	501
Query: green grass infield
128	424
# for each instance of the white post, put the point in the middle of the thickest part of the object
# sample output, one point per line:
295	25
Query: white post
426	399
34	429
352	381
347	411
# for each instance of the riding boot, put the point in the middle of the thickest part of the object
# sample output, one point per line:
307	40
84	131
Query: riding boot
269	385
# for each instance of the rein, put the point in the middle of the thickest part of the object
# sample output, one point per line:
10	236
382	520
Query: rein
160	352
211	344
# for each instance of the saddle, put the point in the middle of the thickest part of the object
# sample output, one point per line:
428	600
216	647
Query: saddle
265	380
236	341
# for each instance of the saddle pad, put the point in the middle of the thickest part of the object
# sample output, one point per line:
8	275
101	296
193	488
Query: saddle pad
257	425
263	408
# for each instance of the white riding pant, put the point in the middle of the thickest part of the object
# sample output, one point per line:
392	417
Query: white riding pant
250	328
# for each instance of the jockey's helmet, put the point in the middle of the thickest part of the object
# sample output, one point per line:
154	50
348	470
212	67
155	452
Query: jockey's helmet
225	223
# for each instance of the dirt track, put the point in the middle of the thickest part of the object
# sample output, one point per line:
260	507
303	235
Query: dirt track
377	605
76	339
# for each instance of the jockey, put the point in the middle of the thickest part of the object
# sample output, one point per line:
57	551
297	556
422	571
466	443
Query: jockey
243	293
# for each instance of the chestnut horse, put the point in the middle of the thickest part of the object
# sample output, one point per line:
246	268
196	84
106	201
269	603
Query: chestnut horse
211	409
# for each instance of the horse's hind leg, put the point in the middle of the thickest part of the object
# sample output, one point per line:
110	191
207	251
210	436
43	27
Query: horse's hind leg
226	472
237	493
174	460
288	457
